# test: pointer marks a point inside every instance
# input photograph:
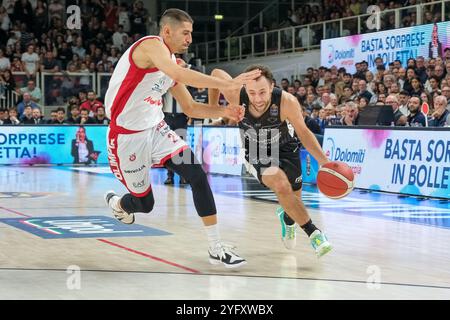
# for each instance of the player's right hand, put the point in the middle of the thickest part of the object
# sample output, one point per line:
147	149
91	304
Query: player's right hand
244	78
234	112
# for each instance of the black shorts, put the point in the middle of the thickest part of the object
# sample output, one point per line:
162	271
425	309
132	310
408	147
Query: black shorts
289	162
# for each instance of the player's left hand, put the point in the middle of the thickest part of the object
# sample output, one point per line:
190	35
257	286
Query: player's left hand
234	112
243	79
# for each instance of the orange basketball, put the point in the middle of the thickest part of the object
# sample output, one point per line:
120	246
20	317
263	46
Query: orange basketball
335	179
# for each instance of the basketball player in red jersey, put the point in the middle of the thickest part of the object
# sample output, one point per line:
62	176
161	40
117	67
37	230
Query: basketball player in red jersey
271	117
138	137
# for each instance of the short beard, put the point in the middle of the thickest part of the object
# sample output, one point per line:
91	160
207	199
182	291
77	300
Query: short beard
182	51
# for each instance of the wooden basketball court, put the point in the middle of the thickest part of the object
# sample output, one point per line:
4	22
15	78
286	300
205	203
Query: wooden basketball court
57	242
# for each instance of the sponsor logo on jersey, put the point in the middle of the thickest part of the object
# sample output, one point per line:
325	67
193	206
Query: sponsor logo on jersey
132	157
135	170
273	110
139	184
150	100
158	87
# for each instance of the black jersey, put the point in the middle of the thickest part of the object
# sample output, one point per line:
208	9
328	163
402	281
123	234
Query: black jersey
266	132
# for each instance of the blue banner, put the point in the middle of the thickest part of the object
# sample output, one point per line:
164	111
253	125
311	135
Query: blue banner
310	167
53	144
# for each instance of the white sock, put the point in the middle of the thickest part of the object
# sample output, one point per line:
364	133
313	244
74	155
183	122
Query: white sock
213	235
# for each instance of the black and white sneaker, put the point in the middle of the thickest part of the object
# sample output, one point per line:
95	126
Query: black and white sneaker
224	254
122	216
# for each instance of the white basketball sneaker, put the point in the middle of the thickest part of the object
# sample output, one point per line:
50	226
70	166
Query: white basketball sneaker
111	199
287	231
224	254
320	243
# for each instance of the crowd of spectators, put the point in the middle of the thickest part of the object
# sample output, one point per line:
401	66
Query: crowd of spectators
419	93
324	10
85	108
34	38
314	13
329	10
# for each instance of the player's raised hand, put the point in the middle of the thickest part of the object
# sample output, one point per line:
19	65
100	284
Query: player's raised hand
234	112
244	78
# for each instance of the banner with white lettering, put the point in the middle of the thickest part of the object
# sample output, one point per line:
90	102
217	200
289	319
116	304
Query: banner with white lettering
428	40
403	161
53	144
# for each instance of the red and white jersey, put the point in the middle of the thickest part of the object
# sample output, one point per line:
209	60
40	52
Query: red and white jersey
134	100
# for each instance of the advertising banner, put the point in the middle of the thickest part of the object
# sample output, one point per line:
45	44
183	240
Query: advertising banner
428	40
413	162
53	144
310	167
222	150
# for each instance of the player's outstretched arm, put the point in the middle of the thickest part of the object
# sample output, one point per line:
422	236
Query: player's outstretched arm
231	95
203	111
158	55
292	111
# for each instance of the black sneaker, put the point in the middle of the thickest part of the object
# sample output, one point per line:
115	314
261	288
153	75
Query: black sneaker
223	254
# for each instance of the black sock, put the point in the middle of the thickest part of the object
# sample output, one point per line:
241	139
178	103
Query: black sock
309	227
288	220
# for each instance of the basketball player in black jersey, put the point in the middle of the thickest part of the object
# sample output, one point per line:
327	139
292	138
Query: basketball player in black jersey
271	149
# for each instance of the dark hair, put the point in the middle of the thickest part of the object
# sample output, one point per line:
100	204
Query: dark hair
435	78
414	60
364	98
418	97
378	84
265	71
174	15
316	107
61	109
411	68
405	93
